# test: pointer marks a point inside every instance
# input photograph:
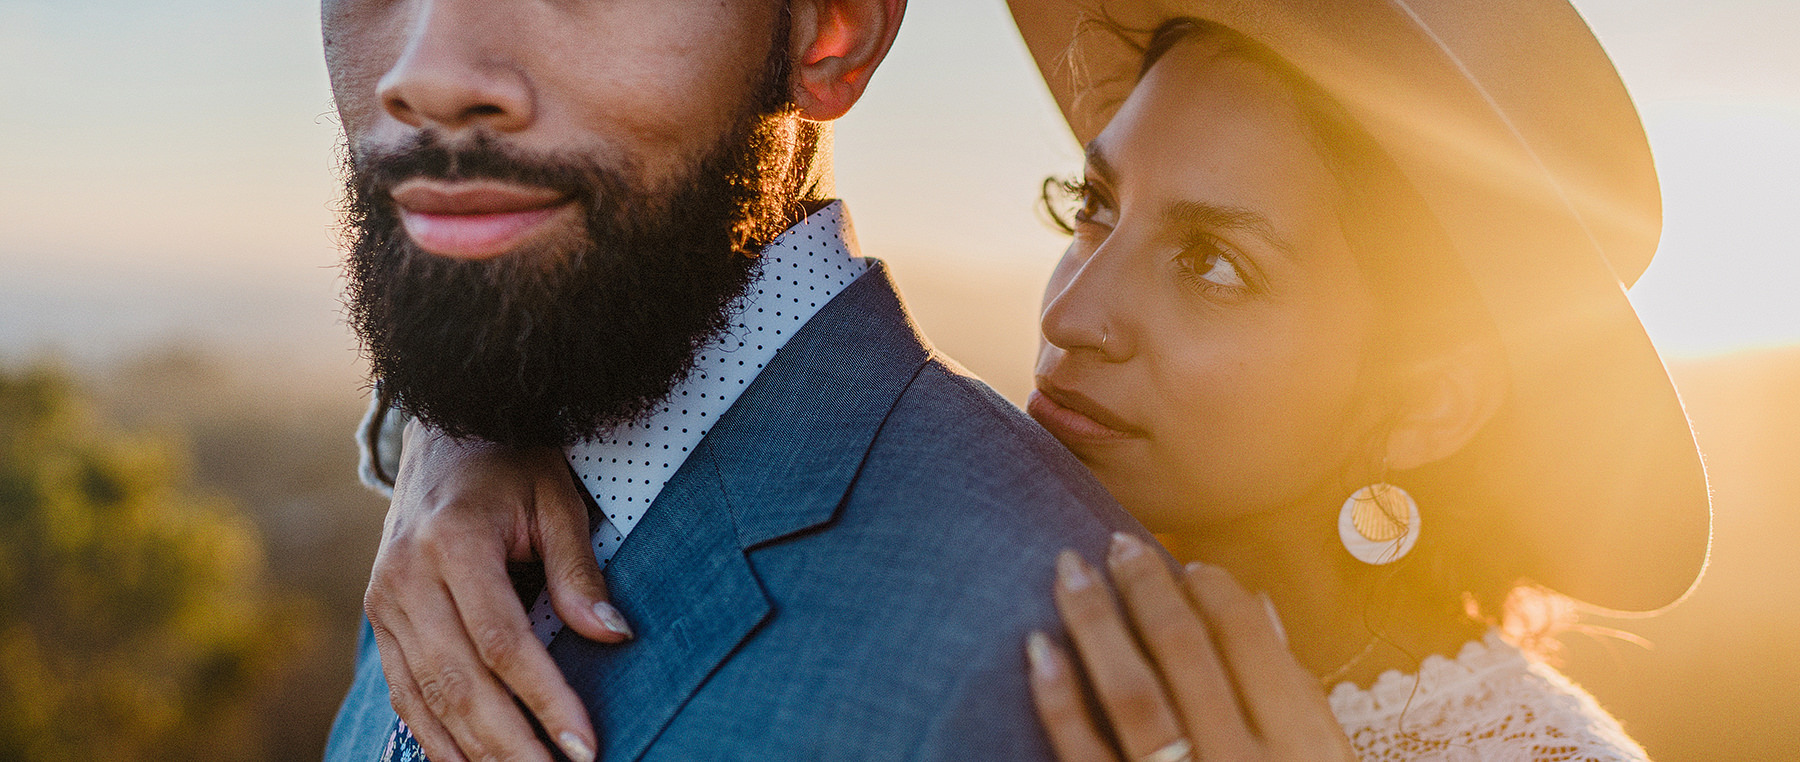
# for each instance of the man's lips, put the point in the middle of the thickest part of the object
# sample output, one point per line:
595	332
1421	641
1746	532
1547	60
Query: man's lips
476	219
1073	415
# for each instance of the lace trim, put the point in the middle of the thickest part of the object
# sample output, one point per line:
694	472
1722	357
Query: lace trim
1437	678
1489	703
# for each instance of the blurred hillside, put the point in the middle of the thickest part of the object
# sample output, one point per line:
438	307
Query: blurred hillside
135	615
278	443
1722	681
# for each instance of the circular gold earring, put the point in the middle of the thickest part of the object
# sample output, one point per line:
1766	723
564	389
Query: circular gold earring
1379	524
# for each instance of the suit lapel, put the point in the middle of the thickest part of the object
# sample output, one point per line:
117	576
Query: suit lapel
800	432
777	463
684	583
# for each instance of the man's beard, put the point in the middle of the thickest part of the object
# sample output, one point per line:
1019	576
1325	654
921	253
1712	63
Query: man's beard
566	339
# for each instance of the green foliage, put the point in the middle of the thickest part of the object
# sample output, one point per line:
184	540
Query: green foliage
134	621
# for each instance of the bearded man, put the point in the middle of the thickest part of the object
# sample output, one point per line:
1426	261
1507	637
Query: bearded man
605	231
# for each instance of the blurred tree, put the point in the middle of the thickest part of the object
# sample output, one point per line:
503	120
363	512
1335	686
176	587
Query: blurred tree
134	619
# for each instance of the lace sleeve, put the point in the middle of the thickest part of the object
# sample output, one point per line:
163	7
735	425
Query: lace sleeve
1490	703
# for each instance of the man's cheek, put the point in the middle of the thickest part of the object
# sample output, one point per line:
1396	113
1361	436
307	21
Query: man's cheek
360	47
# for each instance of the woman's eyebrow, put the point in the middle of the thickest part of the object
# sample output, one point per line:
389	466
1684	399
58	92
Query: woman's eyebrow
1202	217
1197	216
1097	165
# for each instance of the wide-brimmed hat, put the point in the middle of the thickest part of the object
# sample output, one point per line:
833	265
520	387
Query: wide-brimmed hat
1511	123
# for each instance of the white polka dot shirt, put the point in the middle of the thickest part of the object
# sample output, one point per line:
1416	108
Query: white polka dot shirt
626	469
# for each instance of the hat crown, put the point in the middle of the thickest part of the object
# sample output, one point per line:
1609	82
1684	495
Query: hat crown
1518	93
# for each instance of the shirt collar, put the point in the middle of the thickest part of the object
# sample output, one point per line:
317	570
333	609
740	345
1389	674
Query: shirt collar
797	274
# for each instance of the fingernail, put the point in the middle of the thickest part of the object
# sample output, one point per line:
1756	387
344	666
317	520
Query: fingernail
575	748
1037	651
1274	617
1073	571
1195	567
1124	547
611	617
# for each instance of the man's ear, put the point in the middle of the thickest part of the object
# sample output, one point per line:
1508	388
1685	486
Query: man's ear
1451	397
836	46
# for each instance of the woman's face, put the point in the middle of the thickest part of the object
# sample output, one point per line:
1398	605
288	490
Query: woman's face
1203	335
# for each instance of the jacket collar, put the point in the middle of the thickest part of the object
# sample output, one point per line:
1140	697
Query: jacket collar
788	451
778	463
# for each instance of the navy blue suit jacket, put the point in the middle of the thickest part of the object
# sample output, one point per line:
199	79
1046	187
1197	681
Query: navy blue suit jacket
845	568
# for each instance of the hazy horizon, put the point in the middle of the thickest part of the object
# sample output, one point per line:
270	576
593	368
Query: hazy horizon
169	176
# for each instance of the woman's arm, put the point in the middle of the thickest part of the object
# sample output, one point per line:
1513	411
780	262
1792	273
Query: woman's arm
455	643
1212	679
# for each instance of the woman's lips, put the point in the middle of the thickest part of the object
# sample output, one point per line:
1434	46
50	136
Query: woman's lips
476	219
1071	416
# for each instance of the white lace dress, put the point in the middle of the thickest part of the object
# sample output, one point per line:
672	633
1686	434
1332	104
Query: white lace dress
1493	704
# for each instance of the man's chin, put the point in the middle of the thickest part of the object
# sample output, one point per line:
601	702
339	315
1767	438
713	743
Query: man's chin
476	237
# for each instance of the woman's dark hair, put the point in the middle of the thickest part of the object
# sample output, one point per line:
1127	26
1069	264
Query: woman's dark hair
1426	305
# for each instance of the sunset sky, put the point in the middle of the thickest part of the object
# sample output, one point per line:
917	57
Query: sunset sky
167	170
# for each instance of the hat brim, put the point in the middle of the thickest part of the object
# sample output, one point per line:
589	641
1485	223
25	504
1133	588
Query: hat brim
1512	124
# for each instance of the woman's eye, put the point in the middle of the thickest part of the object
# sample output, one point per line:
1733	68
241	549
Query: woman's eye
1209	266
1095	208
1224	273
1089	206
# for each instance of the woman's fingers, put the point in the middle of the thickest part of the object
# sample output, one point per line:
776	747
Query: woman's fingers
497	626
448	699
1125	683
440	678
1061	704
461	692
571	573
1178	642
461	510
403	695
1284	700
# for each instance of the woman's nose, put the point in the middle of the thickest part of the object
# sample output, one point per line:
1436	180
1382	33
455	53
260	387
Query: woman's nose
1081	308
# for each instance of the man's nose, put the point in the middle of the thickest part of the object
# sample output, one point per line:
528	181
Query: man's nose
457	71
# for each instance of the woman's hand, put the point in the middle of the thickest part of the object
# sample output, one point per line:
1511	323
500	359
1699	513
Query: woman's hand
455	642
1212	681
